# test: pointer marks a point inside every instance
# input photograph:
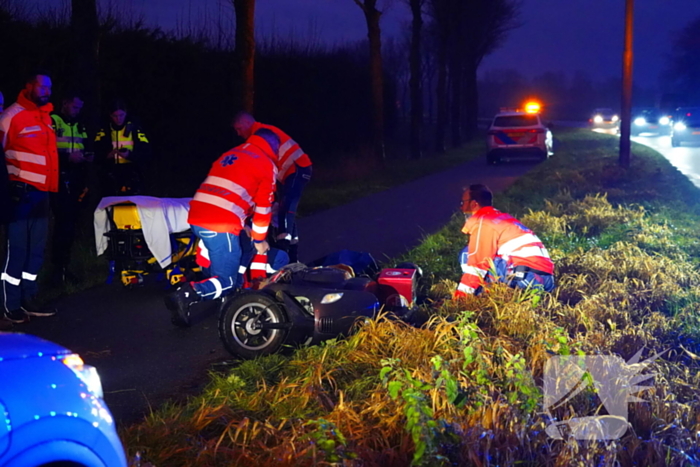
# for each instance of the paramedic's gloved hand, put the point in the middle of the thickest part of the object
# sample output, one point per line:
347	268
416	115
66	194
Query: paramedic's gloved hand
262	247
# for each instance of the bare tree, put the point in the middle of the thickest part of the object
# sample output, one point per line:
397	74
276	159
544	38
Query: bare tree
487	23
416	81
245	53
85	56
372	17
466	31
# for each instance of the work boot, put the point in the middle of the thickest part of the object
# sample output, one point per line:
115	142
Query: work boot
16	316
5	324
179	302
31	308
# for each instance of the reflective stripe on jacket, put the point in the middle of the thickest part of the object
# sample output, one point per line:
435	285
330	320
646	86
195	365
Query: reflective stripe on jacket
240	183
495	234
130	137
289	155
29	142
69	137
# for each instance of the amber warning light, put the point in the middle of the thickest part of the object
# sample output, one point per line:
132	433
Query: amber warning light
532	107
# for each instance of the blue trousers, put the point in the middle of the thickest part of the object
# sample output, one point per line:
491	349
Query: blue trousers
505	273
26	239
290	195
225	256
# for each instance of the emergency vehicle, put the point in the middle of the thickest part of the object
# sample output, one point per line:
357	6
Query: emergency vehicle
516	133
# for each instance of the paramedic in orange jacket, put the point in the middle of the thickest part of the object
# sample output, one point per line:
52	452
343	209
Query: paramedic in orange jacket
500	248
31	158
293	173
240	183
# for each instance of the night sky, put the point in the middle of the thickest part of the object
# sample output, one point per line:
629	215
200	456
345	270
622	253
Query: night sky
557	35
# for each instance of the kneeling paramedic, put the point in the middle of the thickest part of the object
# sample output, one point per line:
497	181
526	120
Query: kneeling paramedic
500	248
240	183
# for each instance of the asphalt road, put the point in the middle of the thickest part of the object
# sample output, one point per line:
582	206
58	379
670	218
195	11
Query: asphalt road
685	158
144	360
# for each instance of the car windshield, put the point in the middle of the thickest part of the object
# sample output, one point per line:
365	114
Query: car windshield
516	121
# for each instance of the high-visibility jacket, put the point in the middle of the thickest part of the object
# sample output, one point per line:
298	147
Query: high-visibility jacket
240	183
130	136
494	234
30	144
289	155
70	136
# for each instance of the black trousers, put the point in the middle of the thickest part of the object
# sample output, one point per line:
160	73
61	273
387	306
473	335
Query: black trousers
66	206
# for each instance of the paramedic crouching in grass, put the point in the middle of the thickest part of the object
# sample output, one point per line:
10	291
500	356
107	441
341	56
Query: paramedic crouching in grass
500	248
240	183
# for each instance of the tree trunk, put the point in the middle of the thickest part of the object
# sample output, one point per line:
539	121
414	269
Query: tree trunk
85	58
471	99
416	80
245	53
455	101
372	16
441	98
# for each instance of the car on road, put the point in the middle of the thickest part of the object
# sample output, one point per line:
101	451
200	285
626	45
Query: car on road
686	126
516	134
650	120
604	118
53	408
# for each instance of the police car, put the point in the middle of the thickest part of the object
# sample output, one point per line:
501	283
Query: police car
517	133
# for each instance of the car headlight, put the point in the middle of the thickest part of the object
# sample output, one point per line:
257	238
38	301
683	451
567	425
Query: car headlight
639	121
680	126
598	119
615	118
664	120
87	374
332	297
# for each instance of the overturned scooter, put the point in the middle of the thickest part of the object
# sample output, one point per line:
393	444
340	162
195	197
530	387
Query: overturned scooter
307	305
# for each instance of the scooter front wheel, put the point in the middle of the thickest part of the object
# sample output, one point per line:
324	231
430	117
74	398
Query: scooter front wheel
247	326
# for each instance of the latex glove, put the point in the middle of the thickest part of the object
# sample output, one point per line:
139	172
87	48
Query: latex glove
262	247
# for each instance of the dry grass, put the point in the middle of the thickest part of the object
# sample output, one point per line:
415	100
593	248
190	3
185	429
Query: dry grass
465	389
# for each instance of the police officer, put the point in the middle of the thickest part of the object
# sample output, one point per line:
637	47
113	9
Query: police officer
71	138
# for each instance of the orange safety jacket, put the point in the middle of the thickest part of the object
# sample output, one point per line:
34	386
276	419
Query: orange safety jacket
27	135
289	155
240	183
494	234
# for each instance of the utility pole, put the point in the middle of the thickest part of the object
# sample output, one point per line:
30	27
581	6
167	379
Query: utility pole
627	58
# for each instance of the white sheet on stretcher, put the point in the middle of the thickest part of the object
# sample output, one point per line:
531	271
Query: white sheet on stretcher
159	218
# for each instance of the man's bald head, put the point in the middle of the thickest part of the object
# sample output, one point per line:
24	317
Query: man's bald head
243	124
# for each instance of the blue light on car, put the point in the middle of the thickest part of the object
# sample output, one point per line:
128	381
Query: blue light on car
639	121
86	373
680	126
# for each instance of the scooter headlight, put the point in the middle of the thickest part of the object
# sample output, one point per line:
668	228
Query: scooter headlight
331	297
87	374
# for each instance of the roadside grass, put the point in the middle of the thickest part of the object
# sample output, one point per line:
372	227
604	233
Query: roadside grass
466	388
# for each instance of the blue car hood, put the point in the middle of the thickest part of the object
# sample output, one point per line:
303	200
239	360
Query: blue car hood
15	345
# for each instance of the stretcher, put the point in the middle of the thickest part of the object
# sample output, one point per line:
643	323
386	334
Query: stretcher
144	235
